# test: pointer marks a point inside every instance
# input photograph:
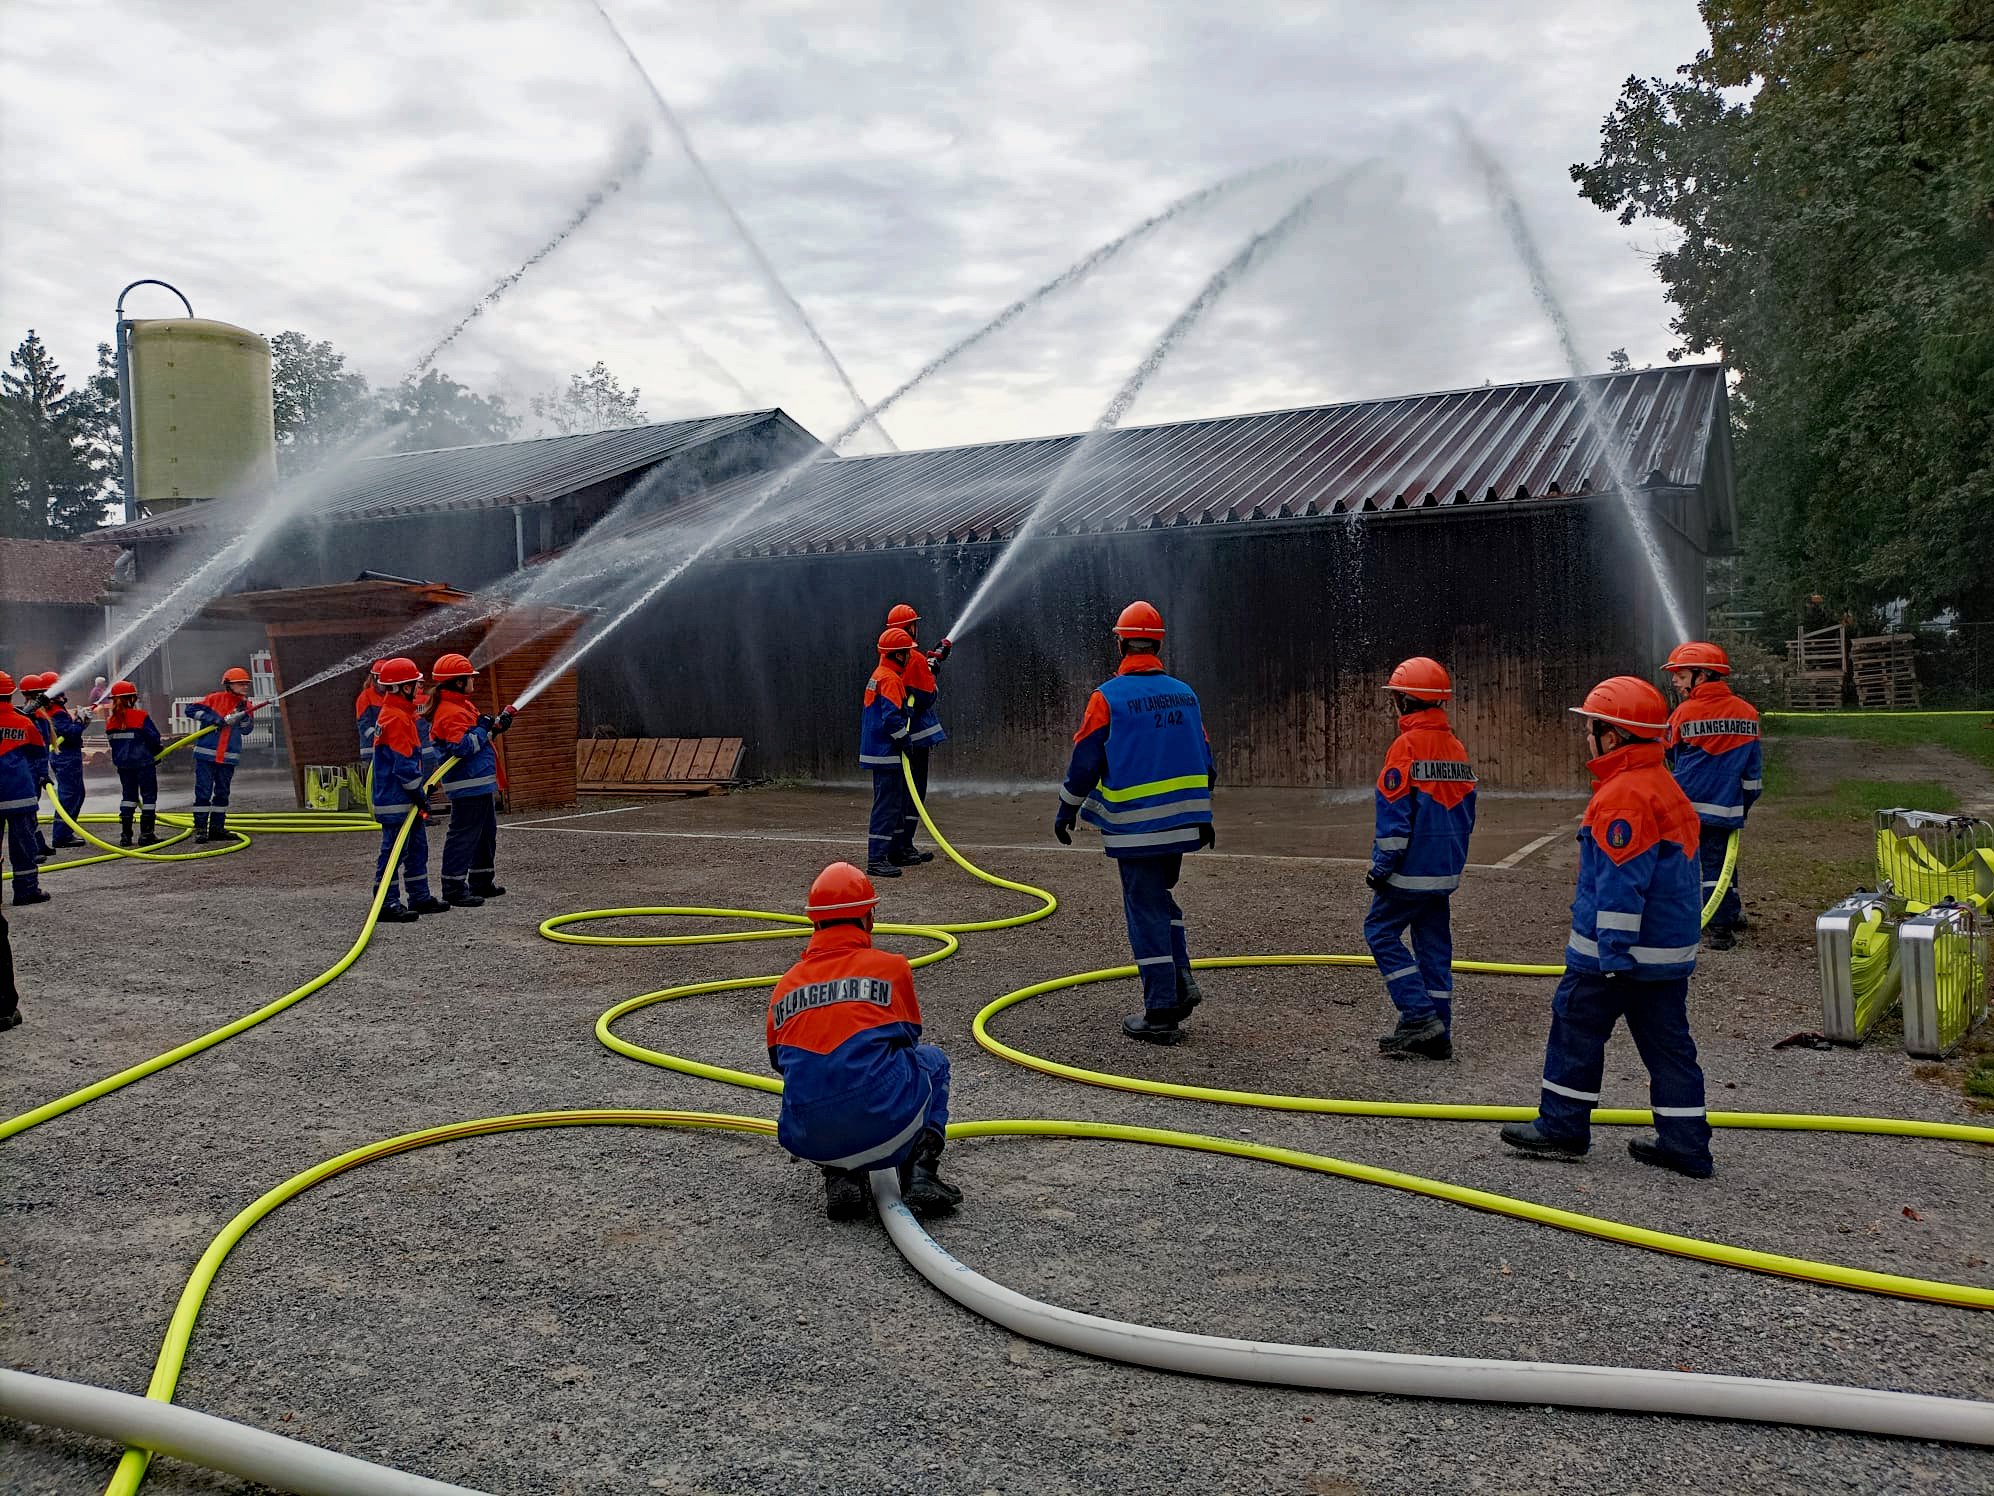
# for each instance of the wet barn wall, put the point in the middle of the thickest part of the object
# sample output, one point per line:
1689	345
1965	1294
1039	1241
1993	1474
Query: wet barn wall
1286	629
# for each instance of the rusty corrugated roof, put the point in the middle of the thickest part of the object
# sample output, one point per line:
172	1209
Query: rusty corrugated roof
1468	447
52	571
490	475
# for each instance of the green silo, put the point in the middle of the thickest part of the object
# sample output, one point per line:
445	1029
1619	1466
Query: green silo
201	411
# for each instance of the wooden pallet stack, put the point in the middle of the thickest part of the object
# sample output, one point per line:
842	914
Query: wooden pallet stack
1820	664
656	766
1886	672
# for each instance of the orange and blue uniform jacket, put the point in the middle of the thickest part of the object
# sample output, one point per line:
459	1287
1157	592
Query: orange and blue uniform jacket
925	730
224	744
134	739
398	771
1638	908
884	729
1141	771
455	730
842	1026
45	726
1713	743
23	757
366	717
1425	806
66	737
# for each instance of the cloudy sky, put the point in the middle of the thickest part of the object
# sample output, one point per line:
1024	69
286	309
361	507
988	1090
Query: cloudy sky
365	171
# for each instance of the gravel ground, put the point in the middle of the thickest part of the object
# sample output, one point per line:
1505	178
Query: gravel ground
610	1310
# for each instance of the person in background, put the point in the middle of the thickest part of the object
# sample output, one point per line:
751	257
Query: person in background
1425	814
1714	753
36	710
398	793
463	737
860	1091
883	730
216	755
925	730
65	761
98	691
1633	944
135	745
1141	773
21	753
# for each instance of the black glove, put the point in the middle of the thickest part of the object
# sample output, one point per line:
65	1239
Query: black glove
501	724
1378	881
1208	835
487	721
1062	827
941	652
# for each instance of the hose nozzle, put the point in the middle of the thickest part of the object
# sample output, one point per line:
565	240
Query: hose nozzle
942	649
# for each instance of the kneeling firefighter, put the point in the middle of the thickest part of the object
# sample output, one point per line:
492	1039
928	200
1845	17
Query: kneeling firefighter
1714	753
135	745
398	793
859	1089
1425	815
1141	773
463	735
1633	943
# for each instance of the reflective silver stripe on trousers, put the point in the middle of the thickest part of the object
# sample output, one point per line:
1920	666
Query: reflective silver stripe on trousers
927	732
1149	838
1585	945
1553	1086
20	804
1677	1111
1154	960
1391	843
1661	955
1149	812
880	760
1751	784
1069	797
1424	885
1177	924
1608	919
886	1149
1704	808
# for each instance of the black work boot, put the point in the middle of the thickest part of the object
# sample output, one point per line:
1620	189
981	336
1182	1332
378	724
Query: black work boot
1189	993
1411	1033
925	1191
485	888
1719	940
1154	1026
428	904
30	896
218	828
1525	1136
1656	1156
457	897
147	833
395	914
846	1195
201	830
880	867
125	829
10	1019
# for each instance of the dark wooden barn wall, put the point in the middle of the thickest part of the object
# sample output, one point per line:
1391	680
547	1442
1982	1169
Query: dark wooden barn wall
1286	631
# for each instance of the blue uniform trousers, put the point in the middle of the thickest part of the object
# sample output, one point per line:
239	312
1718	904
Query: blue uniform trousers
1156	925
890	809
935	1065
910	822
414	865
68	776
1711	848
139	784
470	847
1421	985
211	782
22	850
1582	1017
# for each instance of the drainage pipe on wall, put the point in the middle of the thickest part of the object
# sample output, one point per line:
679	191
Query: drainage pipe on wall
202	1439
1626	1389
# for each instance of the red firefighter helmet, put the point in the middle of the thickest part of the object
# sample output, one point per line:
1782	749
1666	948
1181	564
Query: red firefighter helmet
841	891
122	688
450	666
1697	655
400	671
6	684
901	615
375	668
1630	702
1423	678
894	639
1140	621
37	681
235	675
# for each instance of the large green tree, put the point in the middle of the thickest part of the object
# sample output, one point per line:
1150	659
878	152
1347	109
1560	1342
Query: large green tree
1828	167
50	487
318	402
595	401
437	411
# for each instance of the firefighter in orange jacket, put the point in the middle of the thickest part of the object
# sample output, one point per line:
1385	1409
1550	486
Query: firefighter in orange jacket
463	737
216	755
883	731
35	708
367	710
22	755
1425	815
860	1091
924	731
1633	944
1714	753
399	793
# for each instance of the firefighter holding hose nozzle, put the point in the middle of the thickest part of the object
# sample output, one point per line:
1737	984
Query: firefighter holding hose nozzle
1714	753
398	793
216	755
463	735
1632	946
135	744
65	758
860	1091
883	732
1141	773
22	752
925	730
35	709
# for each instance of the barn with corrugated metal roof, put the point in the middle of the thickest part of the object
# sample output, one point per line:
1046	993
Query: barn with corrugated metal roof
1296	555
